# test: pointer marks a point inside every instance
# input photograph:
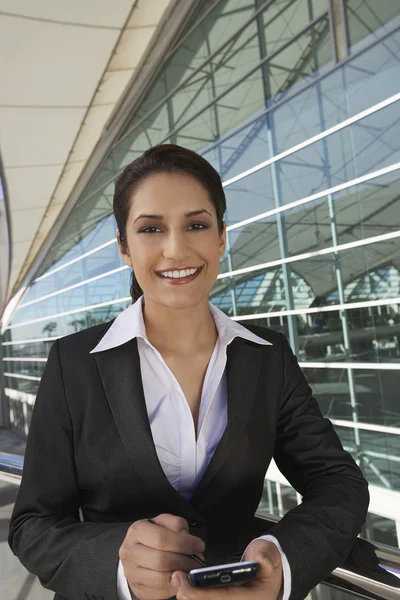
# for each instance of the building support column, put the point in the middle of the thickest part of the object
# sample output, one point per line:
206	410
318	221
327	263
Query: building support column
4	401
220	163
276	186
338	29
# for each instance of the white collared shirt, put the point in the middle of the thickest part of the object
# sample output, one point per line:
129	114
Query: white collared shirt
183	456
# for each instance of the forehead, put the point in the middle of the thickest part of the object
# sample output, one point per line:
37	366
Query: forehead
169	193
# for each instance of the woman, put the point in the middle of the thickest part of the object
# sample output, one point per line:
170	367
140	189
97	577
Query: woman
172	412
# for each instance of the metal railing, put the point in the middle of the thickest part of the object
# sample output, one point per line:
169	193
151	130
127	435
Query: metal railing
371	570
11	464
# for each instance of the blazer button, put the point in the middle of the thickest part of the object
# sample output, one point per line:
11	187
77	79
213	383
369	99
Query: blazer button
193	523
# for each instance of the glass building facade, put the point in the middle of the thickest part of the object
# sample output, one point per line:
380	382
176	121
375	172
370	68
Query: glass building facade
297	104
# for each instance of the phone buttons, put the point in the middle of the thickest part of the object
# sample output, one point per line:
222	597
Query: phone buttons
193	523
226	578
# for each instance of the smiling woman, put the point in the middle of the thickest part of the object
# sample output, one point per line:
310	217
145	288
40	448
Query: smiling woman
161	425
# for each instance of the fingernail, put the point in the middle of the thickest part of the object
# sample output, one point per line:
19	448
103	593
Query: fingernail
176	580
200	547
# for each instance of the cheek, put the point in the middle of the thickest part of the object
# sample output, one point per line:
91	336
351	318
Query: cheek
209	252
207	242
143	253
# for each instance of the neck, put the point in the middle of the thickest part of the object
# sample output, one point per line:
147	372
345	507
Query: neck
179	331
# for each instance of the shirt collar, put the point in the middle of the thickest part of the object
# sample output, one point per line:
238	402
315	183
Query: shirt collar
228	329
130	324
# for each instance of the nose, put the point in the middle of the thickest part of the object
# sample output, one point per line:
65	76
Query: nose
175	247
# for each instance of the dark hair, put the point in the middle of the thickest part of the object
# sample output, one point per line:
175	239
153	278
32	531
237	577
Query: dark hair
164	158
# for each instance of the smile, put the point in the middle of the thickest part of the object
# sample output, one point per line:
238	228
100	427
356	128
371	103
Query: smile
180	275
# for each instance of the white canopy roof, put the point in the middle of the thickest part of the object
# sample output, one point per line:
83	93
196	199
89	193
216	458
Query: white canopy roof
63	68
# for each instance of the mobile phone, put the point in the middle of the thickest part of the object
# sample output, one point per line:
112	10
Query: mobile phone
223	575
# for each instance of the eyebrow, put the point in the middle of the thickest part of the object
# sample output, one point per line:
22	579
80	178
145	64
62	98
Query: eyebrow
192	213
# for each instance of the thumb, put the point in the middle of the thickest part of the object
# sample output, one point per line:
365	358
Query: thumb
266	554
181	584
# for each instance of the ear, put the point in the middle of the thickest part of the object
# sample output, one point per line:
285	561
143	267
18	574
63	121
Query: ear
222	241
124	251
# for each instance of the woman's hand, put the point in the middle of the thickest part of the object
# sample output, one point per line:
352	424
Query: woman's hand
266	587
151	552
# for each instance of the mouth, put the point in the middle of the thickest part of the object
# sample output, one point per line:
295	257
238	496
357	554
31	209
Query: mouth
179	276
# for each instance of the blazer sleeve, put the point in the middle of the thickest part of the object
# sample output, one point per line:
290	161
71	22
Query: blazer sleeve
78	560
317	535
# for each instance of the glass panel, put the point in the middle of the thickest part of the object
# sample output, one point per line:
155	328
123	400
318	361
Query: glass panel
248	97
203	72
315	280
99	262
374	393
332	390
152	131
254	244
373	76
378	453
374	334
269	504
89	225
381	530
244	149
249	197
357	217
28	350
321	273
29	368
365	81
214	78
67	324
263	292
110	287
320	337
372	144
20	413
365	21
27	386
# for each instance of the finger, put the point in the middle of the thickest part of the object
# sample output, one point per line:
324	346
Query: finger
159	560
178	524
161	538
146	582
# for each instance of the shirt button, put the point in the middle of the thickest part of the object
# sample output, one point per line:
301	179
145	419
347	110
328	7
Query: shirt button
193	522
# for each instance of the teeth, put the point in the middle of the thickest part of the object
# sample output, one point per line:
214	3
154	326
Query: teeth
179	274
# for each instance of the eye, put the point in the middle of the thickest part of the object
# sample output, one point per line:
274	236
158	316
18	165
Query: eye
198	226
151	229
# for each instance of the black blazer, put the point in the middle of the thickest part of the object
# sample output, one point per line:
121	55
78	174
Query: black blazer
90	447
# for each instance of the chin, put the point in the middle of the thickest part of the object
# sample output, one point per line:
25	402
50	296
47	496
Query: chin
180	301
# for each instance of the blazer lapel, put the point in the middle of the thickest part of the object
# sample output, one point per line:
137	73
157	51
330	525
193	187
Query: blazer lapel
121	377
243	365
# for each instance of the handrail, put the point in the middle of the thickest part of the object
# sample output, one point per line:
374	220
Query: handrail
371	570
12	464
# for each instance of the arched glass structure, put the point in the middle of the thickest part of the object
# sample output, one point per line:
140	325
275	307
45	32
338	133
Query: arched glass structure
297	104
